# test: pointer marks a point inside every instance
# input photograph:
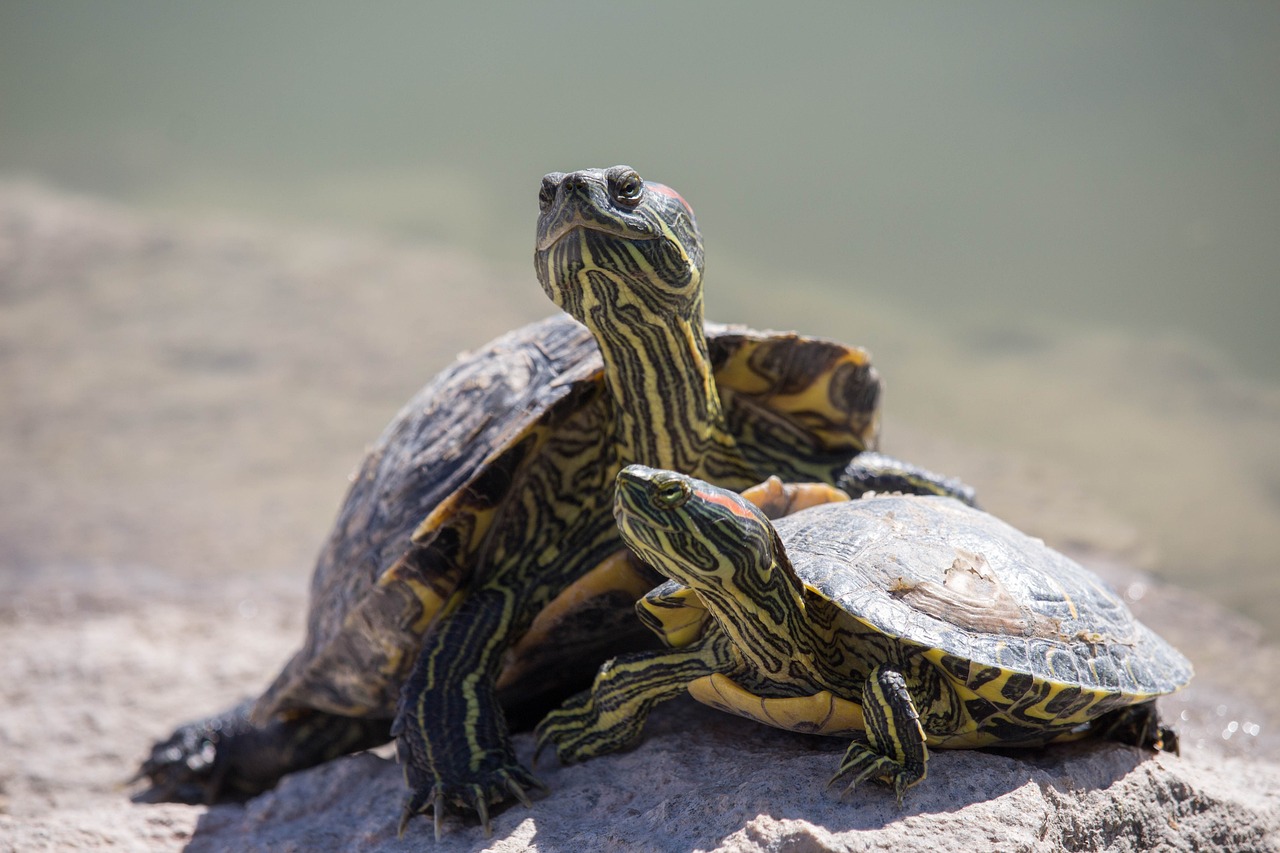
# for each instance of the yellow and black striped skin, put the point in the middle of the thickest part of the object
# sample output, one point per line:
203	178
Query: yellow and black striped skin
492	492
489	494
623	258
907	622
484	509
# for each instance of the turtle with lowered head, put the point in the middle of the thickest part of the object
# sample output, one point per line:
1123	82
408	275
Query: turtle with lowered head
902	623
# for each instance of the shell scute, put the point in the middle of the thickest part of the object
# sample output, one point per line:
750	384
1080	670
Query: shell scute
1000	609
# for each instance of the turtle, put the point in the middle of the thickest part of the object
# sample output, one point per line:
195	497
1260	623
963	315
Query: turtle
473	571
900	622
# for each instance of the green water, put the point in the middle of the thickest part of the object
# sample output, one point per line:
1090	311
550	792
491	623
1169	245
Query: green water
1055	224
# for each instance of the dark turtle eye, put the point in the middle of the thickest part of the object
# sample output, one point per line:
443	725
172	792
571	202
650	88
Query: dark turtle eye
627	189
547	194
672	495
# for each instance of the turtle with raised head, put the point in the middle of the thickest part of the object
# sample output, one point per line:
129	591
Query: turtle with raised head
903	623
439	605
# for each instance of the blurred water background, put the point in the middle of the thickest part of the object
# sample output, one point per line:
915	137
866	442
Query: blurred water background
1056	226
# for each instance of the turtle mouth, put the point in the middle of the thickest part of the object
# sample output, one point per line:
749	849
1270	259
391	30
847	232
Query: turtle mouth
559	230
566	219
654	543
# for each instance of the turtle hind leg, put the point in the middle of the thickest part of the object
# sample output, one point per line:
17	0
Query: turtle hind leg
228	758
874	472
1139	725
895	753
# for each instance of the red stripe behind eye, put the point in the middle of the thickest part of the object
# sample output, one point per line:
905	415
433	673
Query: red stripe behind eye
667	191
727	502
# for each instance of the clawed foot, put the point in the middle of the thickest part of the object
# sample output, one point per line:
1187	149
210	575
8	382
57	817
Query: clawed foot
1139	725
192	765
578	730
861	763
467	788
611	715
561	729
431	792
227	757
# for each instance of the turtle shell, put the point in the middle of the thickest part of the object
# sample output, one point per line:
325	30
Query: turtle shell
462	448
986	600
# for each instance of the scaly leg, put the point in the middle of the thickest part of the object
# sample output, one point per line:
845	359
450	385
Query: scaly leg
1139	725
610	716
895	753
226	757
450	731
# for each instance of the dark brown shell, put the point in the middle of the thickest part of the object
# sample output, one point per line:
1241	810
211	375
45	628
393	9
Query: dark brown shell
796	405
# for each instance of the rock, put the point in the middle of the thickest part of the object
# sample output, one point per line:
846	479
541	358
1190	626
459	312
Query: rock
711	782
98	664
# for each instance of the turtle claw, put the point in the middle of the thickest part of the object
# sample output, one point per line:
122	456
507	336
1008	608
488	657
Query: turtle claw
510	782
861	764
849	788
563	728
189	766
482	809
896	782
519	793
405	813
417	805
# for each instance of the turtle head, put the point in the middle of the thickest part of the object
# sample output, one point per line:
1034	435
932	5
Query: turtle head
721	546
691	531
609	239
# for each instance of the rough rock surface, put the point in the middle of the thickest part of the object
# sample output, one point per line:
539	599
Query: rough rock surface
97	666
120	618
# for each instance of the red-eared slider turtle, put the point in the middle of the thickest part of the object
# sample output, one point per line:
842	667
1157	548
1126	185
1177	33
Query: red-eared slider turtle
904	622
492	490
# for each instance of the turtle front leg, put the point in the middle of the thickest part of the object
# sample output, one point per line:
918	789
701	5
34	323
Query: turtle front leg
611	715
895	753
227	757
450	731
875	472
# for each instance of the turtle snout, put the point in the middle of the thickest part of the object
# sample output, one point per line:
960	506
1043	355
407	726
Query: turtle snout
547	193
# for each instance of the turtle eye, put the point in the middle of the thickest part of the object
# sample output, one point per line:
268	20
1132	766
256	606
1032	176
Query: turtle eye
627	189
672	495
547	194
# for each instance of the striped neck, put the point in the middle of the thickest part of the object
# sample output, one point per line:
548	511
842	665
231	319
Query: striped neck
761	606
667	411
